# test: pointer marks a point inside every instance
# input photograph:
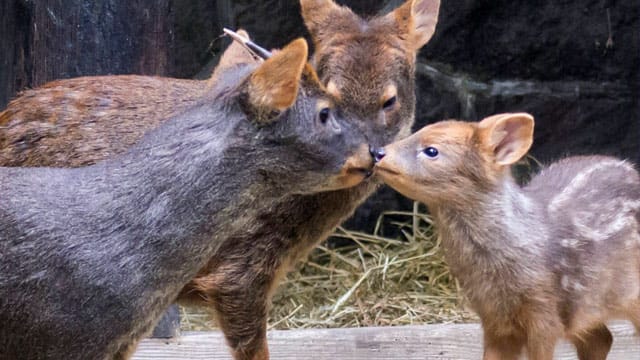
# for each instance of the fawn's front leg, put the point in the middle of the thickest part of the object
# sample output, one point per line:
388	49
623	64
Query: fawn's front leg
541	344
634	315
500	347
594	344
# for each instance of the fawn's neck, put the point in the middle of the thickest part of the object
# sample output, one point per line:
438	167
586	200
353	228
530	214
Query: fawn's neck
491	233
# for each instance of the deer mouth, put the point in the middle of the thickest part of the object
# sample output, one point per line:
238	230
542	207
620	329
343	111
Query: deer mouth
364	172
360	163
356	168
381	169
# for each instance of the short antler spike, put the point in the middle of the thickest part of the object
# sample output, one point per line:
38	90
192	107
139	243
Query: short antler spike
253	47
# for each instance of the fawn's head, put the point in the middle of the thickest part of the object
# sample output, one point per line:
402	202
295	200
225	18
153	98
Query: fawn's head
294	128
449	160
368	65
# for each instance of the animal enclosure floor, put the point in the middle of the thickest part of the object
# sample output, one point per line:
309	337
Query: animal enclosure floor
438	341
369	280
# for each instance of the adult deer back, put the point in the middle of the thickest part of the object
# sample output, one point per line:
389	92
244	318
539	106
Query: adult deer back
76	122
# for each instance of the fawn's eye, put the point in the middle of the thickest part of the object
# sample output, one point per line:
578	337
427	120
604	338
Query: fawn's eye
323	115
431	152
388	105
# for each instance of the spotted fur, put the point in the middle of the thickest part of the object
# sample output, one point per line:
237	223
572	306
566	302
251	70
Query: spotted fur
555	258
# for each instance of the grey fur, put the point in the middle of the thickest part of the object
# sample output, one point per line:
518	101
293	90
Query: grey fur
90	257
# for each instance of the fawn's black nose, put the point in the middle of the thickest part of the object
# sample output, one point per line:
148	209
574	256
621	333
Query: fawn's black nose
377	153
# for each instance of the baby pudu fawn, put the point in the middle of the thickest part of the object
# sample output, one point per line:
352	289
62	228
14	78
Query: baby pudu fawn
555	258
366	64
90	257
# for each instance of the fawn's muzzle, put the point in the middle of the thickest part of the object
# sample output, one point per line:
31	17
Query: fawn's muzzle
377	153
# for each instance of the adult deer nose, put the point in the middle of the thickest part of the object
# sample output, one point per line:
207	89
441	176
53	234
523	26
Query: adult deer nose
377	153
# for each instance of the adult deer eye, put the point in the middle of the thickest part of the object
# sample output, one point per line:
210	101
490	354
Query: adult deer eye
323	115
388	105
431	152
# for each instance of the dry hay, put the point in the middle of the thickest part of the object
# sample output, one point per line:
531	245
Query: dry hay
376	281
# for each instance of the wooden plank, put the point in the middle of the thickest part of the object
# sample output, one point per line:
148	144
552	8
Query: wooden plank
441	342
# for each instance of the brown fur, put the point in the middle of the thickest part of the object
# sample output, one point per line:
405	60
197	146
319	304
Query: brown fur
277	92
361	57
77	122
367	63
557	258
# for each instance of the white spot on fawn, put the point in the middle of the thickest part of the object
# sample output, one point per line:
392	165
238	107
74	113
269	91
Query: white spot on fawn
579	182
569	285
613	217
577	286
564	263
519	214
570	243
564	282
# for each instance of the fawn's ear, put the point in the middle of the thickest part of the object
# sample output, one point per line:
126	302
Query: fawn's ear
322	16
235	54
417	19
273	87
509	136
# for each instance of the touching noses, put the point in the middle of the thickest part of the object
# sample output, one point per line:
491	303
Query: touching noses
377	153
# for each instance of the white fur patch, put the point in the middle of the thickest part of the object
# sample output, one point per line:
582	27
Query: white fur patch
570	243
578	183
569	285
610	218
520	215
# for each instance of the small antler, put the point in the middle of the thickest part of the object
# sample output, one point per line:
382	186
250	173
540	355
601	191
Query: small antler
256	49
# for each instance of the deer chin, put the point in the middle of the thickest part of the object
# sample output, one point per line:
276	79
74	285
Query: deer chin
396	180
389	176
355	170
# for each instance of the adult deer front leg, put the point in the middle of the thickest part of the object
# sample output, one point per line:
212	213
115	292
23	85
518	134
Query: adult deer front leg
238	288
241	306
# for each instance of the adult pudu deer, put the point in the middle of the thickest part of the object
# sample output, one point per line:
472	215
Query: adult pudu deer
90	257
556	258
368	65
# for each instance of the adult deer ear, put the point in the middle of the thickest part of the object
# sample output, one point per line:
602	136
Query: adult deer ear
234	55
322	17
273	87
508	136
417	20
